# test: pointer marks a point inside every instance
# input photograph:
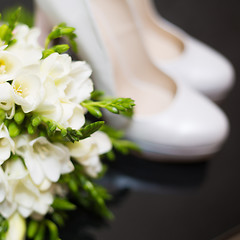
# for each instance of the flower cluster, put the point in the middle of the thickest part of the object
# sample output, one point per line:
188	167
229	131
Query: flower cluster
48	150
52	88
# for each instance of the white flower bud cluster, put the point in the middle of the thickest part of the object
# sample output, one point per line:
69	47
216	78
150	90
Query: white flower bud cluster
52	87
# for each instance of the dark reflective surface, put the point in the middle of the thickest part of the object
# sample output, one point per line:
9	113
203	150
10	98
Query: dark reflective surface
157	201
136	193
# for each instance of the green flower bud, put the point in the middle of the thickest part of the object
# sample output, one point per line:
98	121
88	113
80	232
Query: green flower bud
4	29
53	230
31	129
32	228
47	52
52	127
56	33
94	111
13	129
2	115
64	132
36	121
112	109
61	48
6	122
67	30
19	117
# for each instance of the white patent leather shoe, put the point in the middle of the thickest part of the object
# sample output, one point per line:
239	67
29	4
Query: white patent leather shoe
171	120
176	52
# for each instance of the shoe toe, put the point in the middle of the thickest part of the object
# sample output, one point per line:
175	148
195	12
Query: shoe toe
210	72
202	68
193	127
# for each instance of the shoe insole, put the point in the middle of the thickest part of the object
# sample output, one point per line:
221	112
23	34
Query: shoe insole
160	43
134	73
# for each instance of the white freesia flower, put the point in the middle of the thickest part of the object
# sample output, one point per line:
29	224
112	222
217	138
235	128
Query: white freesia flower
87	152
6	144
72	79
3	185
79	86
9	65
27	87
66	84
43	159
73	115
6	99
27	47
17	227
50	106
56	66
21	194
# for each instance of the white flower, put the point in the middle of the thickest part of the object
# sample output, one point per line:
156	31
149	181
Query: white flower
6	144
43	159
50	106
80	85
66	84
26	47
56	66
27	87
3	185
87	152
9	65
6	99
73	115
26	35
17	227
72	79
21	194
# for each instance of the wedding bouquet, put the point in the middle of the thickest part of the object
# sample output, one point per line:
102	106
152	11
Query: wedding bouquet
49	152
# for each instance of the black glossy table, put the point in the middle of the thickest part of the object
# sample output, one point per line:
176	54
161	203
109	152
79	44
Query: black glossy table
161	201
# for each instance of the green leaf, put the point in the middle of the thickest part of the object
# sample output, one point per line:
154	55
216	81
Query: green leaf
85	132
58	218
6	30
89	194
110	155
14	18
97	95
111	132
113	105
26	16
61	30
119	144
124	146
63	204
89	129
73	185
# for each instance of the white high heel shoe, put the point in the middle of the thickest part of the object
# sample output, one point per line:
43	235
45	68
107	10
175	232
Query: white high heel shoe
175	52
171	120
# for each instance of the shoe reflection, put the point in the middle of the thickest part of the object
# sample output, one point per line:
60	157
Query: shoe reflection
139	174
